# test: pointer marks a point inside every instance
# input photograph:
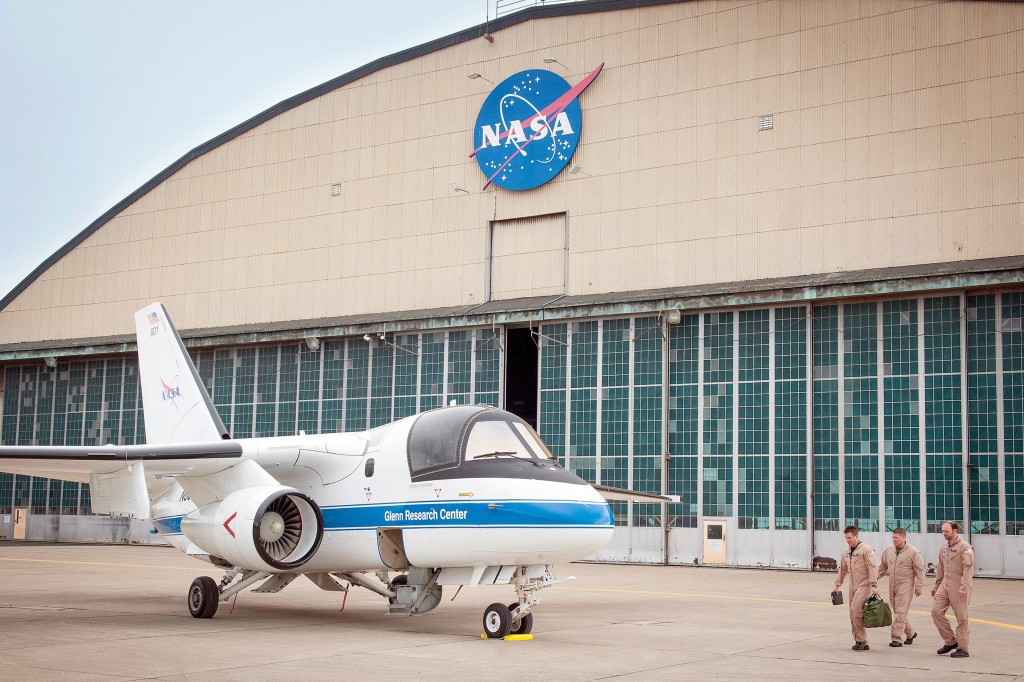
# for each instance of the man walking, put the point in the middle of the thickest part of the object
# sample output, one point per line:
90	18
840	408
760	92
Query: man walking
906	580
953	580
859	562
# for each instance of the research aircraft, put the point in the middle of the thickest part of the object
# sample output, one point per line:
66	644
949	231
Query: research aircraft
464	495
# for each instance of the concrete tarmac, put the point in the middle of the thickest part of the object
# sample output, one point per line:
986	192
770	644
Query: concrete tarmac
87	612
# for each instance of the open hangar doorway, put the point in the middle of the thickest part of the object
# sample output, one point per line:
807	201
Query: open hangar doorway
522	356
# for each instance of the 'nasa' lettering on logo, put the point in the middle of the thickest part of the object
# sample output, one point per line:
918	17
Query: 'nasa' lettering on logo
528	128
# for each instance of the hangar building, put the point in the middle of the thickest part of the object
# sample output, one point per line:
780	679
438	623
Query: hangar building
780	273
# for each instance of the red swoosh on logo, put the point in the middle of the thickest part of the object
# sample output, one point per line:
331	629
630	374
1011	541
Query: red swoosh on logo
227	527
552	109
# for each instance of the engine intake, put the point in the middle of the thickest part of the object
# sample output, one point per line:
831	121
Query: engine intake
266	528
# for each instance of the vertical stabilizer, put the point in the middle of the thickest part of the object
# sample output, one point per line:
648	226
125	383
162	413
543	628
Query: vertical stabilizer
176	405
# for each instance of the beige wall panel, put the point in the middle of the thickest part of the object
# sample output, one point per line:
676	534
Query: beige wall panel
897	140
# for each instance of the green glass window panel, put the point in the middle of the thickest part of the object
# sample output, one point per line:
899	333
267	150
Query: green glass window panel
647	474
22	490
357	378
93	403
584	354
60	405
791	417
266	391
26	408
1012	332
646	515
717	486
75	404
754	344
790	343
381	384
791	492
554	356
1013	412
405	406
683	416
902	434
460	365
753	418
981	334
718	347
223	383
944	483
647	420
12	381
861	473
406	373
39	493
44	409
1014	466
288	387
111	409
552	421
7	493
984	472
583	433
204	363
753	491
130	402
682	481
983	412
942	335
647	351
245	392
615	336
861	415
620	512
432	370
488	366
429	402
860	339
684	346
899	338
942	425
53	497
85	499
69	499
308	417
903	492
718	436
615	437
826	342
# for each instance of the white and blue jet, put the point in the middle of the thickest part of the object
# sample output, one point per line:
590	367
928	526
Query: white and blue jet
463	495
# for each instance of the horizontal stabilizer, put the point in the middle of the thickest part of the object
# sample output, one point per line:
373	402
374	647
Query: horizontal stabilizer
622	495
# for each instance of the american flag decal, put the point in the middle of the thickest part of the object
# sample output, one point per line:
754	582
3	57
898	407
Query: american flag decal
152	318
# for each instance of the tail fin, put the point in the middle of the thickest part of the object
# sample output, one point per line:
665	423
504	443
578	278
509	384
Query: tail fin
177	407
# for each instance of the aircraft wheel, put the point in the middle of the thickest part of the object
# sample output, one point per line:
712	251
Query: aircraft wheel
203	597
497	621
525	624
395	582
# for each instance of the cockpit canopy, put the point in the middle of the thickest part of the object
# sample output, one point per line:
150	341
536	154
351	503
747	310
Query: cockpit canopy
445	438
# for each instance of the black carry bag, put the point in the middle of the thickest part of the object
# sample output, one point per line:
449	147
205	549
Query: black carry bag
837	598
877	613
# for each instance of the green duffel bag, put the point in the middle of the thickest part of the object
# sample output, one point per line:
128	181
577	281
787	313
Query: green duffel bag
877	613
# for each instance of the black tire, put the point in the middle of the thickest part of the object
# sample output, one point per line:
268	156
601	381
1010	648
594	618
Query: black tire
203	597
525	624
395	582
497	621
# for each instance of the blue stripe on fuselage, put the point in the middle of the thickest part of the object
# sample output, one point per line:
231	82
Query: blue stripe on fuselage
453	514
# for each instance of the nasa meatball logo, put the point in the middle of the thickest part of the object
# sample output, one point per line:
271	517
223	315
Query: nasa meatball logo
528	128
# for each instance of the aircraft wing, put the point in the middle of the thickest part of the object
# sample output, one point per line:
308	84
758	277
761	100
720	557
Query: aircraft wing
623	495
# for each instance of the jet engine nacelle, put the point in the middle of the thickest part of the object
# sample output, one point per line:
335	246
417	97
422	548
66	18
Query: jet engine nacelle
263	528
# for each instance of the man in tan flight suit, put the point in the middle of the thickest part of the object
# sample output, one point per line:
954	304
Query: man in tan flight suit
953	580
859	563
906	580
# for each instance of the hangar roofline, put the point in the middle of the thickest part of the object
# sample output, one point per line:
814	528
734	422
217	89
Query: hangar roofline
466	35
908	280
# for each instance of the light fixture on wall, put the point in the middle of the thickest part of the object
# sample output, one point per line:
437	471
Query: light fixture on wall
552	60
50	361
473	76
576	169
455	187
382	338
673	316
312	342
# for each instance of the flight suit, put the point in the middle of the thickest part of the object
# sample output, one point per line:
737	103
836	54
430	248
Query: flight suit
906	575
859	563
955	570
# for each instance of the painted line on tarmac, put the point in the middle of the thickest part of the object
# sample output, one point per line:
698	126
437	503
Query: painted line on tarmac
96	563
1009	626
